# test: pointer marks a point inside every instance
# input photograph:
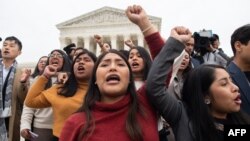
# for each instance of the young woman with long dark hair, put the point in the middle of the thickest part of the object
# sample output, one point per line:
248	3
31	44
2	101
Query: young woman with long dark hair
209	97
112	108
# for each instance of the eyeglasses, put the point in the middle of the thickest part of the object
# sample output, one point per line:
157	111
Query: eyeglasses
56	55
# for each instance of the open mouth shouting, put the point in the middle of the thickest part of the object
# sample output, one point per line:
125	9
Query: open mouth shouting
237	100
55	62
135	65
113	79
80	69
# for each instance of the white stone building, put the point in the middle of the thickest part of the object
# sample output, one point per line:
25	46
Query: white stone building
111	23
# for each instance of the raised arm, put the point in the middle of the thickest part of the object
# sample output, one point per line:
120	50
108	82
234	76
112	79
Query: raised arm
36	96
137	15
104	46
21	88
168	106
98	40
129	43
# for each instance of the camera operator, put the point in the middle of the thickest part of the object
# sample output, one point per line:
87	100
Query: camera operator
216	44
204	50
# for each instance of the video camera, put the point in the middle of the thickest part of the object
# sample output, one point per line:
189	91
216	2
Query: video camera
203	39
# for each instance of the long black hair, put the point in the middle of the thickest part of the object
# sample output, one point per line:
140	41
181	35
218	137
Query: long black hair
195	89
66	60
36	70
146	60
65	67
70	87
93	95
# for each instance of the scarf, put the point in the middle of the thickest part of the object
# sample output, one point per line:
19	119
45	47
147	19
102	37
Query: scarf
5	101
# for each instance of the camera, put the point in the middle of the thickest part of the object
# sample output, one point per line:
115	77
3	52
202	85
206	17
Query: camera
203	39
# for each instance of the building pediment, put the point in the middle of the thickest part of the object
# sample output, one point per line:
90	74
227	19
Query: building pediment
102	16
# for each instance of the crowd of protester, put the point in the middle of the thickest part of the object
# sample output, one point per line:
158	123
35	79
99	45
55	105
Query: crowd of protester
176	91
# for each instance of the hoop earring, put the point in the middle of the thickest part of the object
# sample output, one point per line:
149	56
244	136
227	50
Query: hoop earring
207	101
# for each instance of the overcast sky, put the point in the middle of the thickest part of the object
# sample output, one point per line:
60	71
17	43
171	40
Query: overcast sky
34	21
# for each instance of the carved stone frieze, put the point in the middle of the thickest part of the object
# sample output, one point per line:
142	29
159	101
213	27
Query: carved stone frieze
102	16
106	17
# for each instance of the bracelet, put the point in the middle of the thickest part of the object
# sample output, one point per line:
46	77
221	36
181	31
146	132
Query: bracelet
146	29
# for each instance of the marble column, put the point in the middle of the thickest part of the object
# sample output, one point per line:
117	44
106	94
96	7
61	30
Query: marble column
86	40
113	41
98	49
62	42
74	40
140	39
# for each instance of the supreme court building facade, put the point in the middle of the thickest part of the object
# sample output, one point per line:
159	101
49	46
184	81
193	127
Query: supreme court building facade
111	23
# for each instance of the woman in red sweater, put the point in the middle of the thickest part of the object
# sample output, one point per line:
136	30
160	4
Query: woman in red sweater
112	110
